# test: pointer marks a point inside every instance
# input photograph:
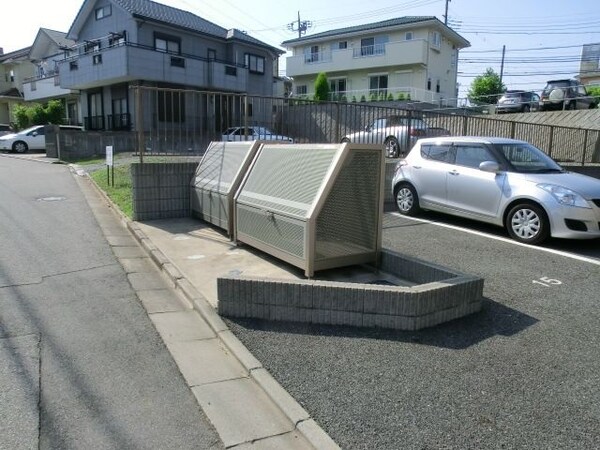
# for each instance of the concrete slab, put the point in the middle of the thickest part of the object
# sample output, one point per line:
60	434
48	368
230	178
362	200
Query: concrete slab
181	326
144	281
160	301
206	361
121	241
241	411
129	252
288	441
138	265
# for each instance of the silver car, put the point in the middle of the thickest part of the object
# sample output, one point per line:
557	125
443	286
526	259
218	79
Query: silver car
505	182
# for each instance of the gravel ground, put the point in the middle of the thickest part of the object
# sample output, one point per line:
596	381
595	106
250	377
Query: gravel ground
523	373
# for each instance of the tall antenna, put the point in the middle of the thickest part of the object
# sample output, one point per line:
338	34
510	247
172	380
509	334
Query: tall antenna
301	26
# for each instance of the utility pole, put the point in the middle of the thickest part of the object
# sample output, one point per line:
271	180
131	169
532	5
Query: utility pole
502	63
302	26
446	13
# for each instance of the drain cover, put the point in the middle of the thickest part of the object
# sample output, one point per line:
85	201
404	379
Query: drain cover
51	199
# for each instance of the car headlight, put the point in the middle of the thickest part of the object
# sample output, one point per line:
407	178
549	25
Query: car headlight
564	196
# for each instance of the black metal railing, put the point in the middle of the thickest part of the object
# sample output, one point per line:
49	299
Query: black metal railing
119	122
94	123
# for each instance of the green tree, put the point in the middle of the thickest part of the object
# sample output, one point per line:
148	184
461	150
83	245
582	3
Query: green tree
486	89
322	87
37	114
594	91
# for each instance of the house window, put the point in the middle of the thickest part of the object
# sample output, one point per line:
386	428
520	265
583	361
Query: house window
428	84
337	88
176	61
97	59
103	12
171	106
301	90
436	39
255	63
167	44
342	45
231	71
73	65
367	46
378	84
409	36
437	86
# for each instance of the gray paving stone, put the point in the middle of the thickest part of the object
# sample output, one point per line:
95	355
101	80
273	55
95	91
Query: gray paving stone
138	265
143	281
160	301
206	361
288	441
129	252
181	326
121	241
241	411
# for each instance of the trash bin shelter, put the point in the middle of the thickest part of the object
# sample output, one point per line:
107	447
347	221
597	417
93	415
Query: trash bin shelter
315	206
217	178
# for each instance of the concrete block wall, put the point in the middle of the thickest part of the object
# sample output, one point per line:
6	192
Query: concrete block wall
161	190
440	296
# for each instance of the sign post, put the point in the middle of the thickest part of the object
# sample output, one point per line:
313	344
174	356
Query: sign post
109	165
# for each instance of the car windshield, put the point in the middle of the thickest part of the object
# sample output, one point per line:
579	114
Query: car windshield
526	158
512	95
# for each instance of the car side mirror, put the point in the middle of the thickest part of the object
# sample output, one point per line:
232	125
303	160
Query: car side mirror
489	166
35	133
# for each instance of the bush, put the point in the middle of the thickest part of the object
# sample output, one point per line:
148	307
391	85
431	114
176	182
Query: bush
321	87
362	98
401	96
37	114
390	97
353	99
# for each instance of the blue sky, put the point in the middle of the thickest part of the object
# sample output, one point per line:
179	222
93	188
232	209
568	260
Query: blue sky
543	38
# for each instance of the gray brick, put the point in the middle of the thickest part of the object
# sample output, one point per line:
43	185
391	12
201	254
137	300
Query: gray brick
320	316
347	318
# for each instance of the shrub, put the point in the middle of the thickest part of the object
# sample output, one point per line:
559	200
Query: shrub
321	87
362	98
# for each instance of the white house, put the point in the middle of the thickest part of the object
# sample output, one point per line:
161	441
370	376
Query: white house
406	57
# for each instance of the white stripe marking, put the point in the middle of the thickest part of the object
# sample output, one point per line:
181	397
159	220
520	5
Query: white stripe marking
503	239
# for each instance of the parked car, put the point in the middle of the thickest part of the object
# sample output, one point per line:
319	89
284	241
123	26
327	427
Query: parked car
252	134
397	133
501	181
33	138
518	101
5	129
566	94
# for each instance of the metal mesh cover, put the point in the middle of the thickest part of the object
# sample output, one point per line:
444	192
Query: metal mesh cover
287	178
220	165
348	221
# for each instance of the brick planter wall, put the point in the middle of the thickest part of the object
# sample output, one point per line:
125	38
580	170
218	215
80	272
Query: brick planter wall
440	295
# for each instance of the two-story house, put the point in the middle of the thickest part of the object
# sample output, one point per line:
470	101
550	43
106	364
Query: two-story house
412	58
123	43
47	49
15	67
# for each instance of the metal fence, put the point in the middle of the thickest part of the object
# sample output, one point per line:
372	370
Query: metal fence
184	122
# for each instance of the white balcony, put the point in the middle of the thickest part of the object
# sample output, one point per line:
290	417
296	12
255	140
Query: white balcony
392	54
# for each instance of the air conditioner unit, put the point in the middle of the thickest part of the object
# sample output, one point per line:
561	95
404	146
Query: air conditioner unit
217	178
315	206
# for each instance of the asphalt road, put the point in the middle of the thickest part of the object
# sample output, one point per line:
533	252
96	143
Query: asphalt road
522	373
81	365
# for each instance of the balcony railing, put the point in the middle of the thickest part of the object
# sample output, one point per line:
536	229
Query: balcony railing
94	123
119	121
369	50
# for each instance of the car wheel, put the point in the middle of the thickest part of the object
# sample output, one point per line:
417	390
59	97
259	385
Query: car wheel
20	147
344	140
407	200
528	223
570	105
392	148
526	108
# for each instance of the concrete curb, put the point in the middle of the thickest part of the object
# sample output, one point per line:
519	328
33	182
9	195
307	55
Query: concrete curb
26	157
295	413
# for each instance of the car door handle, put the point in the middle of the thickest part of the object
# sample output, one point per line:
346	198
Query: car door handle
454	172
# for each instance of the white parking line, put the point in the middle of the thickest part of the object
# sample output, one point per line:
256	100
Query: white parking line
503	239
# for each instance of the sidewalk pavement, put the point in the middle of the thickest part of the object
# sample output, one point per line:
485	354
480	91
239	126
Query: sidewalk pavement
247	406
